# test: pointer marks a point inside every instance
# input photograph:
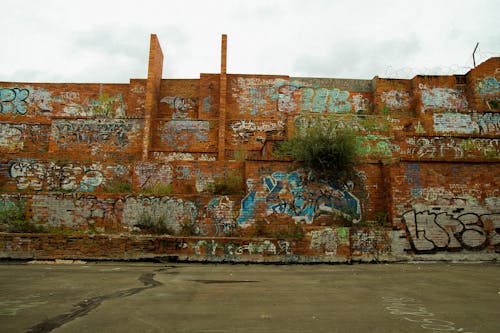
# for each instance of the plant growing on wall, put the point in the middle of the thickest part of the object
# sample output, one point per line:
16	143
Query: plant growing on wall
13	218
230	184
323	148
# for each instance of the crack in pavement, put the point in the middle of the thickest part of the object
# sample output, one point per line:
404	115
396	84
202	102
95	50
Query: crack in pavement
86	306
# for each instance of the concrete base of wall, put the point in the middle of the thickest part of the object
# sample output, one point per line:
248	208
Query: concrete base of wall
215	250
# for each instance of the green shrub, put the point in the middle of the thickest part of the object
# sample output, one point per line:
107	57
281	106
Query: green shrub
330	152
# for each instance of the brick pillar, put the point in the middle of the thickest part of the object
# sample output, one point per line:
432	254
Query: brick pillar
153	84
222	101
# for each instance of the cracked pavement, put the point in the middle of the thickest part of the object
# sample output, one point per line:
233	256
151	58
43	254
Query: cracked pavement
148	297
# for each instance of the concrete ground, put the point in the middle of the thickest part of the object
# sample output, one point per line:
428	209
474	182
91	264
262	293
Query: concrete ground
146	297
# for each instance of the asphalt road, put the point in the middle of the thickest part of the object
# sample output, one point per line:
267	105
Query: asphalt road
126	297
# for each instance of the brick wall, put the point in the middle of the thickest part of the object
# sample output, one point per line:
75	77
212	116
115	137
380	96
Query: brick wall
193	158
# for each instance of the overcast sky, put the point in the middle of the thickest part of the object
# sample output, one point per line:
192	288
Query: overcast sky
108	41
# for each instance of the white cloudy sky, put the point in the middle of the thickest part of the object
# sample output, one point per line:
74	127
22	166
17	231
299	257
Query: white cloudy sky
107	41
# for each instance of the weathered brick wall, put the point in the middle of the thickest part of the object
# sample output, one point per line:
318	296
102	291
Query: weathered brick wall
158	156
447	206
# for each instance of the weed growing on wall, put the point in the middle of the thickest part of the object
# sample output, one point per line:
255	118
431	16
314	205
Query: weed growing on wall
329	151
154	225
188	229
13	218
240	155
158	189
117	187
231	184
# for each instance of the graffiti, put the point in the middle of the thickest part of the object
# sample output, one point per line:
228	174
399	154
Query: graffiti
246	130
181	106
255	96
328	240
412	178
431	229
149	174
369	242
322	99
207	104
296	195
443	98
482	123
260	96
351	122
174	156
375	145
414	312
71	210
17	136
49	176
180	133
396	100
220	210
91	131
488	87
440	147
13	100
265	247
360	103
11	137
289	97
172	212
41	98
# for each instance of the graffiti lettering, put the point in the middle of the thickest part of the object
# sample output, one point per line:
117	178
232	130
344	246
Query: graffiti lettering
483	123
451	229
49	176
295	195
13	100
91	131
245	130
180	133
181	106
443	98
396	100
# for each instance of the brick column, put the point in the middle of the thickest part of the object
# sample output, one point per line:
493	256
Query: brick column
222	101
153	84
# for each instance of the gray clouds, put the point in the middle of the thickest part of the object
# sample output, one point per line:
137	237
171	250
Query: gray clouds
108	41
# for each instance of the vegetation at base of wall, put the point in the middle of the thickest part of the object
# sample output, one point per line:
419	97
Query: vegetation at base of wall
188	229
117	186
154	225
231	184
329	151
158	189
13	218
